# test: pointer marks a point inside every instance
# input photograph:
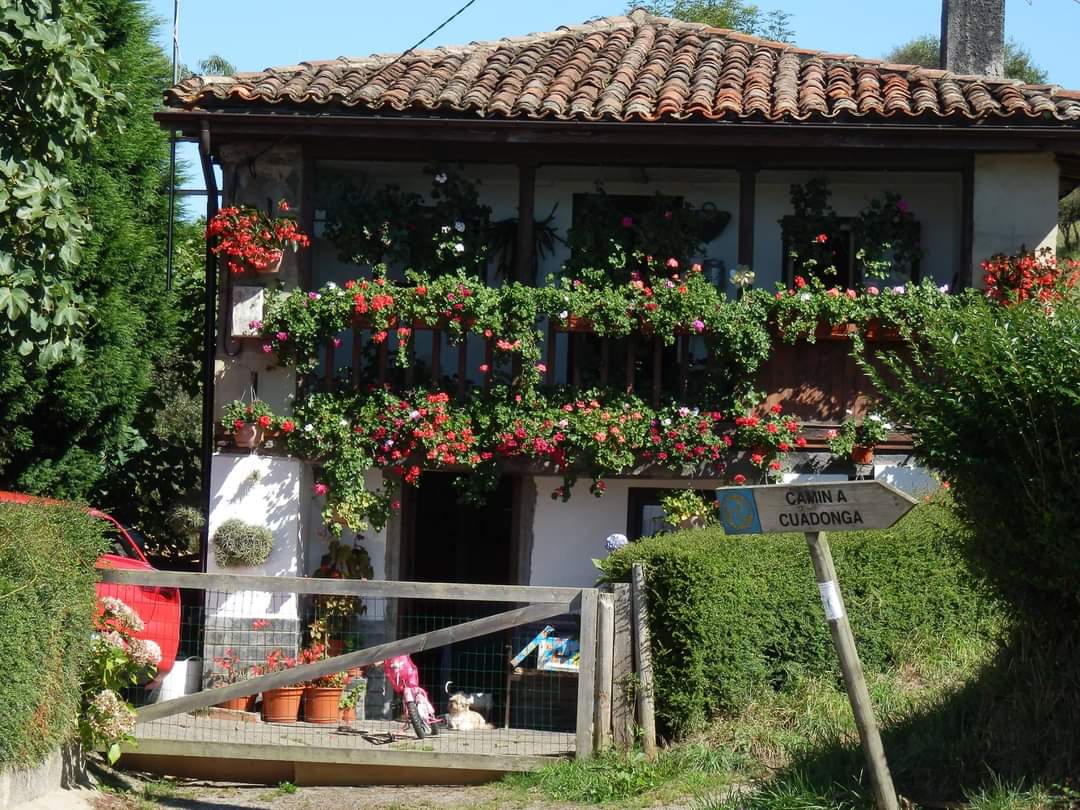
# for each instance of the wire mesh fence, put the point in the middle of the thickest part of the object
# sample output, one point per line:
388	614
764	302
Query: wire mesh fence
512	691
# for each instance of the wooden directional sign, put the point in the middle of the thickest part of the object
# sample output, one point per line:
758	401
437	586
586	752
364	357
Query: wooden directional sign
835	506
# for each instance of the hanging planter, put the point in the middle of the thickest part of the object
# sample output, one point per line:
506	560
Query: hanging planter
249	436
252	240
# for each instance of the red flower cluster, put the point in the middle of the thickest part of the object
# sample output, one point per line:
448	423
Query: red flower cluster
249	238
1028	276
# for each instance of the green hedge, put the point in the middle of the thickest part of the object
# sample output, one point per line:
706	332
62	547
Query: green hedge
47	601
732	614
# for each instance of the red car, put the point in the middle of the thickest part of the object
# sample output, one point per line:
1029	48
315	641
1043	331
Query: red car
159	608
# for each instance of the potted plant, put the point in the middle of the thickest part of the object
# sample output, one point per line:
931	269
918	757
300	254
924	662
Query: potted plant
242	544
687	509
228	671
321	696
351	704
252	240
248	422
857	439
341	561
281	705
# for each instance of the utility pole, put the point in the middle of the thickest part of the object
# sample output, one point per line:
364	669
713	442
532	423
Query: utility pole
172	150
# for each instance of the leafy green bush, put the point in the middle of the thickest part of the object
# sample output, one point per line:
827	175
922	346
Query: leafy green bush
731	614
992	396
47	602
239	543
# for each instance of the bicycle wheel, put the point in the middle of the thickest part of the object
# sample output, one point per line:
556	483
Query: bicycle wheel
419	726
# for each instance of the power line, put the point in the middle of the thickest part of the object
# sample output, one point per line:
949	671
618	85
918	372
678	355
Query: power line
409	50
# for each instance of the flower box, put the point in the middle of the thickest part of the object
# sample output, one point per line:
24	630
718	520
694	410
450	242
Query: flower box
835	331
879	332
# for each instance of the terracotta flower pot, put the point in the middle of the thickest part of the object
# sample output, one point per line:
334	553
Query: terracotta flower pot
335	646
877	331
690	523
321	704
839	331
356	672
282	705
862	454
575	323
348	715
249	436
240	704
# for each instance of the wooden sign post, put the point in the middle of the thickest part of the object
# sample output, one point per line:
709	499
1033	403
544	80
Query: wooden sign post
813	509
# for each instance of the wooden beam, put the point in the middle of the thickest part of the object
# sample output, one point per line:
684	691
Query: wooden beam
366	657
583	749
447	591
341	755
357	357
306	258
551	352
622	670
436	357
643	661
605	641
523	253
657	370
964	273
747	208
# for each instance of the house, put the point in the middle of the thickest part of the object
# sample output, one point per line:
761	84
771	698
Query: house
720	123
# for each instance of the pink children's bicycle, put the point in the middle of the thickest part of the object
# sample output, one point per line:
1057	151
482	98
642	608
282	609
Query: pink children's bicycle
404	678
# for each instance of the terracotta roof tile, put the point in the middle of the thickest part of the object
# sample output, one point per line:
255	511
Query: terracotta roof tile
636	67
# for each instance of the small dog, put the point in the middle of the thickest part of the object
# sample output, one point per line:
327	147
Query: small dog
461	717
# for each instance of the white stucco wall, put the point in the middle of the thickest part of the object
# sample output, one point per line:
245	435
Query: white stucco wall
266	491
319	536
1016	203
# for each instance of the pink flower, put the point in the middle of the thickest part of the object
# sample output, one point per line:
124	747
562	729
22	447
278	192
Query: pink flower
699	326
831	434
872	290
851	293
337	343
267	348
282	336
833	292
628	222
541	368
673	263
695	268
901	205
739	478
320	489
484	368
668	215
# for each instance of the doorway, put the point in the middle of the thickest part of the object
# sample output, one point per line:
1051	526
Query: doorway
444	540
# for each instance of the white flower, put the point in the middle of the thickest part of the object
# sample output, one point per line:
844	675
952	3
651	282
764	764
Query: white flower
459	226
119	612
459	248
874	417
684	411
665	421
414	415
331	285
944	288
805	296
615	541
445	229
144	652
564	314
888	425
563	423
440	177
308	427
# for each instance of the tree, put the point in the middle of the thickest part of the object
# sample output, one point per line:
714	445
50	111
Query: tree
733	14
83	431
1069	222
51	63
213	65
925	51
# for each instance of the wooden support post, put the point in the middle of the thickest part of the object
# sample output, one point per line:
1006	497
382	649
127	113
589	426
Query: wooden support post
583	748
357	356
622	670
833	602
643	662
965	272
489	361
605	640
657	370
328	368
462	360
381	361
747	201
436	357
684	363
523	246
631	361
410	371
552	352
575	363
605	358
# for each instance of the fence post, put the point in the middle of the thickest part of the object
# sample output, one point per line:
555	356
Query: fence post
583	748
643	657
605	637
622	670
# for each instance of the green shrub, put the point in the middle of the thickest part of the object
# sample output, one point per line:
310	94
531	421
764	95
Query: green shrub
992	396
731	614
240	543
47	600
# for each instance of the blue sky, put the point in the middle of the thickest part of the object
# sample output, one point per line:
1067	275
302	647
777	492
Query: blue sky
254	34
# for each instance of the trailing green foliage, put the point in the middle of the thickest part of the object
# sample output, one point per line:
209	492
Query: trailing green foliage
733	614
47	556
991	394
